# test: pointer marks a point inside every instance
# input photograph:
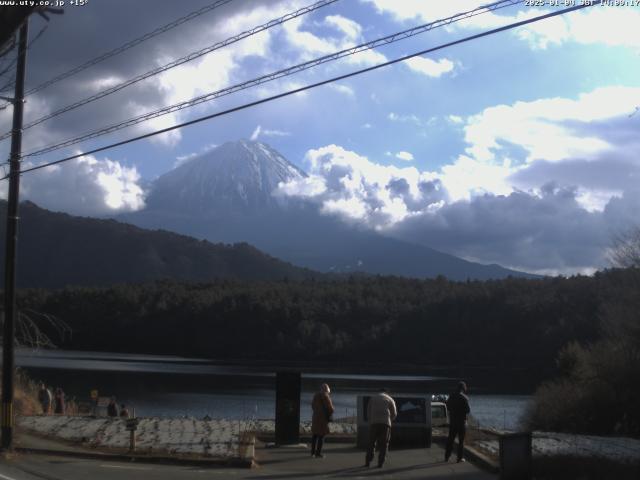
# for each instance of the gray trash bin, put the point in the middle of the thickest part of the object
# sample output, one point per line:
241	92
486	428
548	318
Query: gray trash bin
515	456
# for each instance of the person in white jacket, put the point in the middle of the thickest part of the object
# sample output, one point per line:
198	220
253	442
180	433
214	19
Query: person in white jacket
381	411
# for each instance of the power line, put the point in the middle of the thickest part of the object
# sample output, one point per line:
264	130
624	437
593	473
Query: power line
6	86
311	86
13	62
192	56
12	82
276	75
128	45
9	66
125	47
33	41
8	46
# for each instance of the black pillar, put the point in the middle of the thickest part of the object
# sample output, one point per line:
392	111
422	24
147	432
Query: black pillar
288	408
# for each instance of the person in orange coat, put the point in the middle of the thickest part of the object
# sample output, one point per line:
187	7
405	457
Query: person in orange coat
322	407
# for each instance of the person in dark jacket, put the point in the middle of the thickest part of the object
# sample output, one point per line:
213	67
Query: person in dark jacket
458	407
44	397
112	408
322	407
58	401
124	411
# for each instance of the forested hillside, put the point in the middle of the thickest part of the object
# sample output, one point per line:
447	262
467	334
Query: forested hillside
57	250
517	323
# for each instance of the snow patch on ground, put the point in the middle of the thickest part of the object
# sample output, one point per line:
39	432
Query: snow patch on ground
621	449
217	438
210	438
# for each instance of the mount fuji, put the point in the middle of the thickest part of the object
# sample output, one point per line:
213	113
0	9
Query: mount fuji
236	177
227	195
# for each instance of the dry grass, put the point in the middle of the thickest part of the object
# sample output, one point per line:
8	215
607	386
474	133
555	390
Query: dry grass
25	396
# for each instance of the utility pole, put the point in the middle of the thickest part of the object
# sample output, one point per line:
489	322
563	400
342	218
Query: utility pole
11	245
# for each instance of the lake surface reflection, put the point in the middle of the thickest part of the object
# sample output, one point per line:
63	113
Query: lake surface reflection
177	386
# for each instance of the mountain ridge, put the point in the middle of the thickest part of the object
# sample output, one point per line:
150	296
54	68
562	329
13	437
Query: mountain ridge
58	249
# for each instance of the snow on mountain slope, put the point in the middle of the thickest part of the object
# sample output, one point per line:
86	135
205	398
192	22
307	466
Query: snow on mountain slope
237	176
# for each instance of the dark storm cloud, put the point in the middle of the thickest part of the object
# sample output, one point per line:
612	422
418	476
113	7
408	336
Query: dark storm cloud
85	32
550	232
610	173
431	192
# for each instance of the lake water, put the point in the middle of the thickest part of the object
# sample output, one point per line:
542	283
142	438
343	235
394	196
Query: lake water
176	386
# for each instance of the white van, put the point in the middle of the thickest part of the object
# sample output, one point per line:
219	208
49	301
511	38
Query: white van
439	414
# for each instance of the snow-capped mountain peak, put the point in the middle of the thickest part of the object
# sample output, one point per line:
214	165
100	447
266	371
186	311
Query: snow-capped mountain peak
239	175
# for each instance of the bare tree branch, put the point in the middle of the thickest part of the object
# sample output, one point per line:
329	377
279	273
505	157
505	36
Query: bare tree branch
32	325
625	249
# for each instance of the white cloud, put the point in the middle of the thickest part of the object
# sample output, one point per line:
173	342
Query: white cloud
467	178
381	195
265	132
269	89
275	133
421	10
208	73
307	42
549	232
455	119
171	138
406	156
395	117
544	186
311	45
612	26
344	183
85	186
552	129
212	71
344	89
587	143
307	187
351	30
103	83
429	67
471	208
256	133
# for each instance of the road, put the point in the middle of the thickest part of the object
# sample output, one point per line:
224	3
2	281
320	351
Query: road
341	461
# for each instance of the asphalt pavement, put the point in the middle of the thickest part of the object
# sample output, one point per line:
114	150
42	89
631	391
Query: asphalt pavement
341	461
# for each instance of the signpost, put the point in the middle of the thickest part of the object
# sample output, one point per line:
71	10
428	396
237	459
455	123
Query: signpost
132	426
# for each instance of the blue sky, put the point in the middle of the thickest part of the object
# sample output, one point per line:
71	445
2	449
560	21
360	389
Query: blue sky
519	148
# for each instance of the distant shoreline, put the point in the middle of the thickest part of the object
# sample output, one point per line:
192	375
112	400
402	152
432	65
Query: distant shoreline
53	363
